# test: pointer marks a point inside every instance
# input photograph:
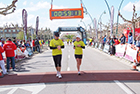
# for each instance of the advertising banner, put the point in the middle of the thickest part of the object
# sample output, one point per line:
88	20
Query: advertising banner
137	31
96	45
106	48
100	46
112	20
37	25
95	27
120	49
131	54
24	19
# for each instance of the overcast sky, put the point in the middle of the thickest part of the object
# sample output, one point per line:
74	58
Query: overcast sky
41	8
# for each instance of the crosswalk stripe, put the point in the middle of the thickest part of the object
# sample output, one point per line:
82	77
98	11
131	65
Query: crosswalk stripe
122	86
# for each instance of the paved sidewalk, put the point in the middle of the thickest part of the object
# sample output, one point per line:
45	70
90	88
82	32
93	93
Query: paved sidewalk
72	76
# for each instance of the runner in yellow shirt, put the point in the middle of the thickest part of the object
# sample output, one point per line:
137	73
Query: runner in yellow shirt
78	45
56	45
70	41
90	42
67	41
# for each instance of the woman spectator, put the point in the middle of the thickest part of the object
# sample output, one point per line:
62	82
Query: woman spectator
130	38
15	42
112	47
123	39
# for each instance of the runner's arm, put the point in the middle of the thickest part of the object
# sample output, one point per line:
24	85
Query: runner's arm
63	46
73	47
53	47
83	47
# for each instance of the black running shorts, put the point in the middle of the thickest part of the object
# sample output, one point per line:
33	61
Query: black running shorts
78	56
57	60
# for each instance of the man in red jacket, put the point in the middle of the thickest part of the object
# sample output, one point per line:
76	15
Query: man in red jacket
33	44
9	48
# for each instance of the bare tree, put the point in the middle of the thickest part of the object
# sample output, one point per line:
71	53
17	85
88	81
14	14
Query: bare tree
133	21
9	9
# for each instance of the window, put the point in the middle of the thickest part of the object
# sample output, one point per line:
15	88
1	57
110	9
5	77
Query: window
14	35
9	30
5	30
8	35
17	30
14	30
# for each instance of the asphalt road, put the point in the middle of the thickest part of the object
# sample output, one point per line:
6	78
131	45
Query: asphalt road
93	60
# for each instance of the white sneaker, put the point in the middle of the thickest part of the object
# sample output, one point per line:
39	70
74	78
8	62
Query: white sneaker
5	73
79	73
59	76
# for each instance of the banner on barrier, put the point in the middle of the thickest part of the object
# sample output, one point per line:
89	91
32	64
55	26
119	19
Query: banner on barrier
106	48
92	44
96	44
120	49
131	54
100	46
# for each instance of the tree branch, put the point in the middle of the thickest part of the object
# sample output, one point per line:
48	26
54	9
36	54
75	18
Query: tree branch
12	7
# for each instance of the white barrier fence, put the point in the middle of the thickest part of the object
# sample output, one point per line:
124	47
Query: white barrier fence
120	50
125	51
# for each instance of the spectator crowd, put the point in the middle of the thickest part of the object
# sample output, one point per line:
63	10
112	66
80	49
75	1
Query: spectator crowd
11	50
112	41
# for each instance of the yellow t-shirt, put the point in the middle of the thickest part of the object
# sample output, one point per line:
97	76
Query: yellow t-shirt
71	40
67	40
90	40
55	43
40	42
78	50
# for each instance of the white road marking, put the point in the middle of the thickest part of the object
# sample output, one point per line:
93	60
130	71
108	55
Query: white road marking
68	69
12	91
34	88
122	86
69	56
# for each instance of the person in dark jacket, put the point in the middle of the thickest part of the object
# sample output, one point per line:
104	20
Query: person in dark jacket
123	39
37	45
112	47
9	48
15	42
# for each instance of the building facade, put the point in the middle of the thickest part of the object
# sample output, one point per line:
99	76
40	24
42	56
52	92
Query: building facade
9	32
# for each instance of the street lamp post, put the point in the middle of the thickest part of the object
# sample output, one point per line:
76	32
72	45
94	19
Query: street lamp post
88	14
111	13
118	17
84	24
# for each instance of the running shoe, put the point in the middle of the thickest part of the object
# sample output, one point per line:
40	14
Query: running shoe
8	70
14	69
5	73
59	76
79	73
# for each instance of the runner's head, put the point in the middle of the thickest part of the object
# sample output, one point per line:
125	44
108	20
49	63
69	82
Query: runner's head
56	35
77	38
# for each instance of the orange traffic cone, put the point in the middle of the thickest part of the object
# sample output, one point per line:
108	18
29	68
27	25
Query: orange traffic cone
135	67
